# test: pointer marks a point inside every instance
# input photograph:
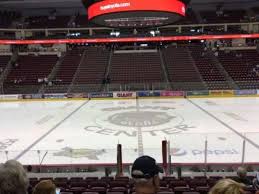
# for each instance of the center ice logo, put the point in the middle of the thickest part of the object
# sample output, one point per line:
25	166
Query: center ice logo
140	119
131	120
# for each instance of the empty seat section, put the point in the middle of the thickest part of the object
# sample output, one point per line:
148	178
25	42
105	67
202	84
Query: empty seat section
47	22
24	77
7	17
30	68
69	66
3	62
136	68
92	69
82	21
240	66
181	69
209	72
226	16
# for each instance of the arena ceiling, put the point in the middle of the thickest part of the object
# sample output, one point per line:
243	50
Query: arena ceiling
77	4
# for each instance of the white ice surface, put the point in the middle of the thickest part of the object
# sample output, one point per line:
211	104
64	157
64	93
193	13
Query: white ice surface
90	135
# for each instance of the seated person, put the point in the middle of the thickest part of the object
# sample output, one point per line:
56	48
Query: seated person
227	186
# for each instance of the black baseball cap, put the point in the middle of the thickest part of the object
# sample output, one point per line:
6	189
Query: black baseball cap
145	167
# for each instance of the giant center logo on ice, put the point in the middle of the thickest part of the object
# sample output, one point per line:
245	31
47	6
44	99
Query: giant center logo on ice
127	120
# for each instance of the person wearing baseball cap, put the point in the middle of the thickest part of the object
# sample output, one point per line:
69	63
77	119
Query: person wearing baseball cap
145	173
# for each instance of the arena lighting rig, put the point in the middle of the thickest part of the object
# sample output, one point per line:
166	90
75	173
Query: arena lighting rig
134	13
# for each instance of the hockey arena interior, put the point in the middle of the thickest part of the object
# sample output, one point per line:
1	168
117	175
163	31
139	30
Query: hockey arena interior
87	87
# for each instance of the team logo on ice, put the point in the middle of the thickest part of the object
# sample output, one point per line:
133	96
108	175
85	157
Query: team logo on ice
80	153
130	120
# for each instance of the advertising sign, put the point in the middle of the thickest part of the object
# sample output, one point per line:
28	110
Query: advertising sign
124	95
101	95
172	93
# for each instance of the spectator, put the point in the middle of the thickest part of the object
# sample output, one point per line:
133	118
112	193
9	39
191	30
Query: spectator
241	176
108	80
257	47
145	175
50	83
46	80
1	70
13	178
256	182
104	81
73	25
29	168
239	55
20	80
40	80
108	171
227	186
45	187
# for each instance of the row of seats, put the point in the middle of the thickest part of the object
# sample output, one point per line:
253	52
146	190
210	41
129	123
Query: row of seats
125	185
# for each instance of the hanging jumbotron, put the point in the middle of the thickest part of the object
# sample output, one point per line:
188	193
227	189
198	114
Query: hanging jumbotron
135	13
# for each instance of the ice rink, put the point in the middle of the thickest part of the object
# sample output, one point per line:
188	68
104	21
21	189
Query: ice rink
87	132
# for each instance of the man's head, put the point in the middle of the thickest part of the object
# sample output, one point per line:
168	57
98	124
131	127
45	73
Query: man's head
241	172
145	173
13	178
